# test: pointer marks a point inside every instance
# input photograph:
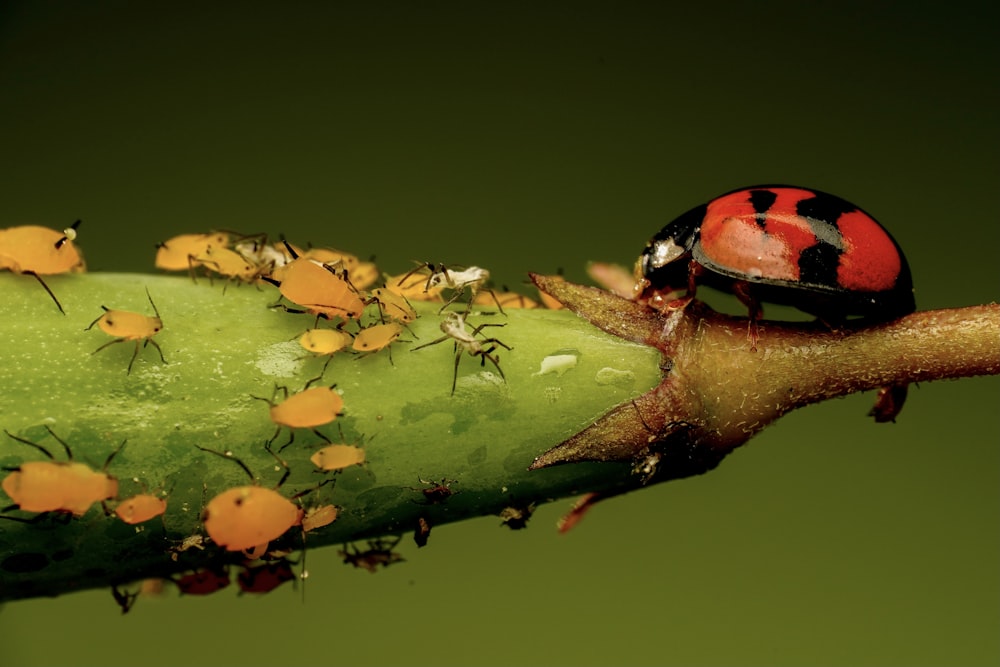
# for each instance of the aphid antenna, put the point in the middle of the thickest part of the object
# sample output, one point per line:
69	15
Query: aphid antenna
229	457
150	297
40	448
113	454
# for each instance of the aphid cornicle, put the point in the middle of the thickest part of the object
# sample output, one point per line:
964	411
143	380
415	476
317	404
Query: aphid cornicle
68	487
125	325
39	251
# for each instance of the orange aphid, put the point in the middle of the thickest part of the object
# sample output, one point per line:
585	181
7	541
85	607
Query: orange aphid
40	251
58	486
317	517
394	305
338	457
126	325
227	263
244	518
320	290
140	508
413	285
364	275
325	341
309	408
377	337
179	253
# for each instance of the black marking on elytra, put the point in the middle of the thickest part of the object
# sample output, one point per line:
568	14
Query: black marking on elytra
824	207
818	265
762	201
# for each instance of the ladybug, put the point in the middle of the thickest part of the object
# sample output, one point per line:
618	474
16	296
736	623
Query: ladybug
789	245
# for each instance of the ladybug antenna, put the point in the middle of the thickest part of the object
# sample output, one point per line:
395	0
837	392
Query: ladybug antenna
69	234
230	457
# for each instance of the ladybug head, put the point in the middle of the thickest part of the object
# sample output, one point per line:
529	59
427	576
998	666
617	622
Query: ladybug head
664	261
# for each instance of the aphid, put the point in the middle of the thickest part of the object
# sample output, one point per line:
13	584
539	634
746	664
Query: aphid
317	517
190	542
126	325
266	258
454	327
265	577
379	552
124	599
422	532
413	286
245	518
516	517
58	486
325	342
228	263
458	280
437	492
320	290
140	508
179	252
338	457
377	337
309	408
364	275
393	305
40	251
204	581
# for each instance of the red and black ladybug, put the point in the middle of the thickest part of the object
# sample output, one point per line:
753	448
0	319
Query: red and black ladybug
789	245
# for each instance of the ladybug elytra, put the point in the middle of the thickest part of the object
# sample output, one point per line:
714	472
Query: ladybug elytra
783	244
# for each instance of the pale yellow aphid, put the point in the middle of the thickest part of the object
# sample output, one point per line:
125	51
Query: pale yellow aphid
394	305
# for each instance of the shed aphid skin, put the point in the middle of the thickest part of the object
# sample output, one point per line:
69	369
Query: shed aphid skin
67	486
377	337
317	517
178	253
458	280
126	326
379	552
40	251
455	328
310	408
247	518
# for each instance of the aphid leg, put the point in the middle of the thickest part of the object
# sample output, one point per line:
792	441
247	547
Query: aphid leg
150	341
42	283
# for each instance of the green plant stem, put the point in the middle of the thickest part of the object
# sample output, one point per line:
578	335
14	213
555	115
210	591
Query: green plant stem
659	397
222	347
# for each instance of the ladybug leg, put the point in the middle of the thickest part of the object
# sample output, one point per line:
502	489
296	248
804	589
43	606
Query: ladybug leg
744	293
888	402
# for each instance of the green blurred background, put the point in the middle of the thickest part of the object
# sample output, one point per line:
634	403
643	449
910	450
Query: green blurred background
537	136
